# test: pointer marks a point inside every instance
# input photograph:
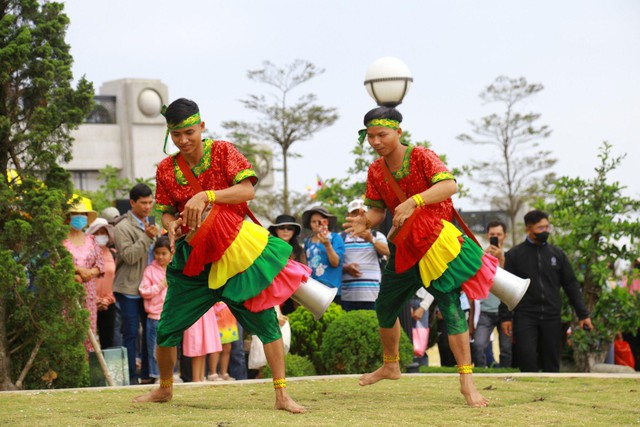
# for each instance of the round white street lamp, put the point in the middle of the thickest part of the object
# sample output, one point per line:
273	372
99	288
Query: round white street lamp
388	80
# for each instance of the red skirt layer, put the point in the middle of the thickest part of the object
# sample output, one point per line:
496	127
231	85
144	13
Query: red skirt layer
219	229
415	238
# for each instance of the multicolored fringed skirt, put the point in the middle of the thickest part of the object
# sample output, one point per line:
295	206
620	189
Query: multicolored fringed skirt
252	265
446	258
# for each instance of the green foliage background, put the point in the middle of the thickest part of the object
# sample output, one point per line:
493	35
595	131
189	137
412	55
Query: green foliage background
597	226
43	319
351	345
296	366
307	333
41	324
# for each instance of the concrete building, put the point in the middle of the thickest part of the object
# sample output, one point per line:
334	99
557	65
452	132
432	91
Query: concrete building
126	131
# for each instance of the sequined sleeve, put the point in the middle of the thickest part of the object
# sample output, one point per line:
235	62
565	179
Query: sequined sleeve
238	167
164	203
373	198
244	174
434	168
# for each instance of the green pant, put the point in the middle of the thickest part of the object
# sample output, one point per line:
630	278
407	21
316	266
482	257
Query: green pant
397	288
189	298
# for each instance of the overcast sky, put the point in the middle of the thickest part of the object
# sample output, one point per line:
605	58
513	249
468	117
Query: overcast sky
586	53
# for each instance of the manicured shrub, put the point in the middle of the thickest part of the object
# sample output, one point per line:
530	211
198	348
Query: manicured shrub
351	345
297	366
307	333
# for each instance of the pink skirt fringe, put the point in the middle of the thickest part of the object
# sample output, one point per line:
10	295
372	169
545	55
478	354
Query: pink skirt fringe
479	285
283	286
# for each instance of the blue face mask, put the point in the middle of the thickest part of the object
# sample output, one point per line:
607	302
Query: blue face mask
78	222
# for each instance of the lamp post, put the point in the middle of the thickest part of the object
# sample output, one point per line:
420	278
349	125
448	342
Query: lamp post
388	80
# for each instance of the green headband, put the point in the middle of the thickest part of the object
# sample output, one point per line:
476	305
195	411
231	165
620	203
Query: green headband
189	121
387	123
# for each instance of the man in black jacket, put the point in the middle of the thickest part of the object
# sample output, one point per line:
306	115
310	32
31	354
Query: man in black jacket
535	323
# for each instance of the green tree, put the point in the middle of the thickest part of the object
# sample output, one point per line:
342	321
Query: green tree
38	106
512	177
591	218
282	123
42	327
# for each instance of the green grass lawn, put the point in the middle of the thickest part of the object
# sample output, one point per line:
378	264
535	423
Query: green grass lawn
420	399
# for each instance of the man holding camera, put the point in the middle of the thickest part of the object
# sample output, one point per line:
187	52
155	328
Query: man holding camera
536	322
489	318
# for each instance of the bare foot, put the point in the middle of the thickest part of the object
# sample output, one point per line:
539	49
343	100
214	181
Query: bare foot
284	402
155	395
388	371
470	393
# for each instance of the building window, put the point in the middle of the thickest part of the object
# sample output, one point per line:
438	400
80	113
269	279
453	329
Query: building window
86	180
104	110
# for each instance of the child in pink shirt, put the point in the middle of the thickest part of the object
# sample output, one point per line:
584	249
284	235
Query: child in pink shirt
154	289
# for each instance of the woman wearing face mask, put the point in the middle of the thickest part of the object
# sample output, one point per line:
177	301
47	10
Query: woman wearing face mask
103	233
87	258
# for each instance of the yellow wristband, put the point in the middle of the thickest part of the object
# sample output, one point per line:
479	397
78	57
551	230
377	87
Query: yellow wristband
418	199
211	196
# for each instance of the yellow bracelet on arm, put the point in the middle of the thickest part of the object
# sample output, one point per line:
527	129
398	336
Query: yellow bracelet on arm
211	196
418	199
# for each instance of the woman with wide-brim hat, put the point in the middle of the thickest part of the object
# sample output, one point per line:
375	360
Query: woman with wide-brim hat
288	230
324	249
104	235
87	258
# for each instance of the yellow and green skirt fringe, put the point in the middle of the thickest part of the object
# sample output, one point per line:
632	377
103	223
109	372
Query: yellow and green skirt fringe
449	260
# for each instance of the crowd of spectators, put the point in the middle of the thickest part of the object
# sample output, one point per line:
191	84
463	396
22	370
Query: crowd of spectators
121	261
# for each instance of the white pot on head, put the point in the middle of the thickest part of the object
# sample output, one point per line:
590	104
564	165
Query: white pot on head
314	296
509	288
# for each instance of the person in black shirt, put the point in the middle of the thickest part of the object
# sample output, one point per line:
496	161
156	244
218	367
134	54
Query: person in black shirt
535	323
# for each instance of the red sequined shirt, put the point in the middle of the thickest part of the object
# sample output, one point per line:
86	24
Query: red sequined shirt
421	168
221	166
